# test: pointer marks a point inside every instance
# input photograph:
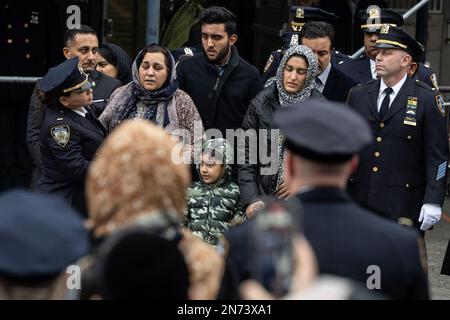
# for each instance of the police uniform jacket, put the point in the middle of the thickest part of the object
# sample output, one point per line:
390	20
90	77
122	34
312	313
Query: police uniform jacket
359	70
104	87
347	240
68	143
405	166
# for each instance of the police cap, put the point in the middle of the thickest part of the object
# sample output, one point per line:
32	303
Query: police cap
396	38
323	131
372	18
39	235
65	78
301	15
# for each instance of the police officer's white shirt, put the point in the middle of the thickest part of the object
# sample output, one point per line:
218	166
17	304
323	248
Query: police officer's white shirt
373	69
81	113
394	93
323	77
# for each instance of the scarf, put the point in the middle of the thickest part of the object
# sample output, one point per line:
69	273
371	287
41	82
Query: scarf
286	98
134	94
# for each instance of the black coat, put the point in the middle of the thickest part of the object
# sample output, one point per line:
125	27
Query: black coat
357	69
221	101
104	86
65	163
446	263
347	240
405	165
252	183
338	86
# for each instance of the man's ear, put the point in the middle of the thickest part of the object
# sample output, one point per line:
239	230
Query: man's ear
232	40
354	164
407	59
64	101
66	52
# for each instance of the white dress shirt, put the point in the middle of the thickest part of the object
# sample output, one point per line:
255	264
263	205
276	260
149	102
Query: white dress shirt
394	93
373	69
323	77
81	113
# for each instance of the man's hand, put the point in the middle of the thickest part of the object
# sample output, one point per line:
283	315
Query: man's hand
430	214
282	191
251	208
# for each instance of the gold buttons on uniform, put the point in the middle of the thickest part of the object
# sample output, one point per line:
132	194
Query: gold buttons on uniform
9	41
409	137
27	40
25	25
375	169
28	56
407	185
382	125
379	139
9	26
377	154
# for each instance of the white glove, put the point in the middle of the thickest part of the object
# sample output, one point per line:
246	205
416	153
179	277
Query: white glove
430	214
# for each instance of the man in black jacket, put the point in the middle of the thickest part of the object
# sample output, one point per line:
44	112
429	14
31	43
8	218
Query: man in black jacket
220	83
319	37
348	240
83	43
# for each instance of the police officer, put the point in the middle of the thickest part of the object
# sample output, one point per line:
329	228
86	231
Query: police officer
362	69
70	133
300	15
402	174
346	238
42	236
83	43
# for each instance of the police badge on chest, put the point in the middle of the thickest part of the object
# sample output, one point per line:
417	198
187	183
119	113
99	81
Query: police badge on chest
411	112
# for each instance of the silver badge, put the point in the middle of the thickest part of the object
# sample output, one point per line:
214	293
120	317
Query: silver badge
440	104
61	134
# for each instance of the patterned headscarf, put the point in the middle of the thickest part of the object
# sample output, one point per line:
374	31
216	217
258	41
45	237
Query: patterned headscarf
286	98
133	175
133	93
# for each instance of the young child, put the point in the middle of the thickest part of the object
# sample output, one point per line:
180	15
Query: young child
213	204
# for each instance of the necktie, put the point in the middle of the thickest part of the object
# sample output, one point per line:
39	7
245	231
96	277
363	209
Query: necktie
319	84
385	104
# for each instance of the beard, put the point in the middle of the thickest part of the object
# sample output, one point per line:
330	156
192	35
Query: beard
220	55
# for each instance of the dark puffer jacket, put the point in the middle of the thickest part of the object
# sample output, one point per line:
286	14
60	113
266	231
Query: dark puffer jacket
252	183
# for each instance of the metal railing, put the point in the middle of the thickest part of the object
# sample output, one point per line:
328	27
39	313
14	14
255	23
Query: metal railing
14	79
407	14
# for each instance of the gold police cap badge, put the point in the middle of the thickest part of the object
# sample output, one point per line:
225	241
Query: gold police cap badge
300	13
374	13
385	29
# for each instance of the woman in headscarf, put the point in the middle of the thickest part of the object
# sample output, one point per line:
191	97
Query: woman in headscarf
293	83
153	95
134	182
113	61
